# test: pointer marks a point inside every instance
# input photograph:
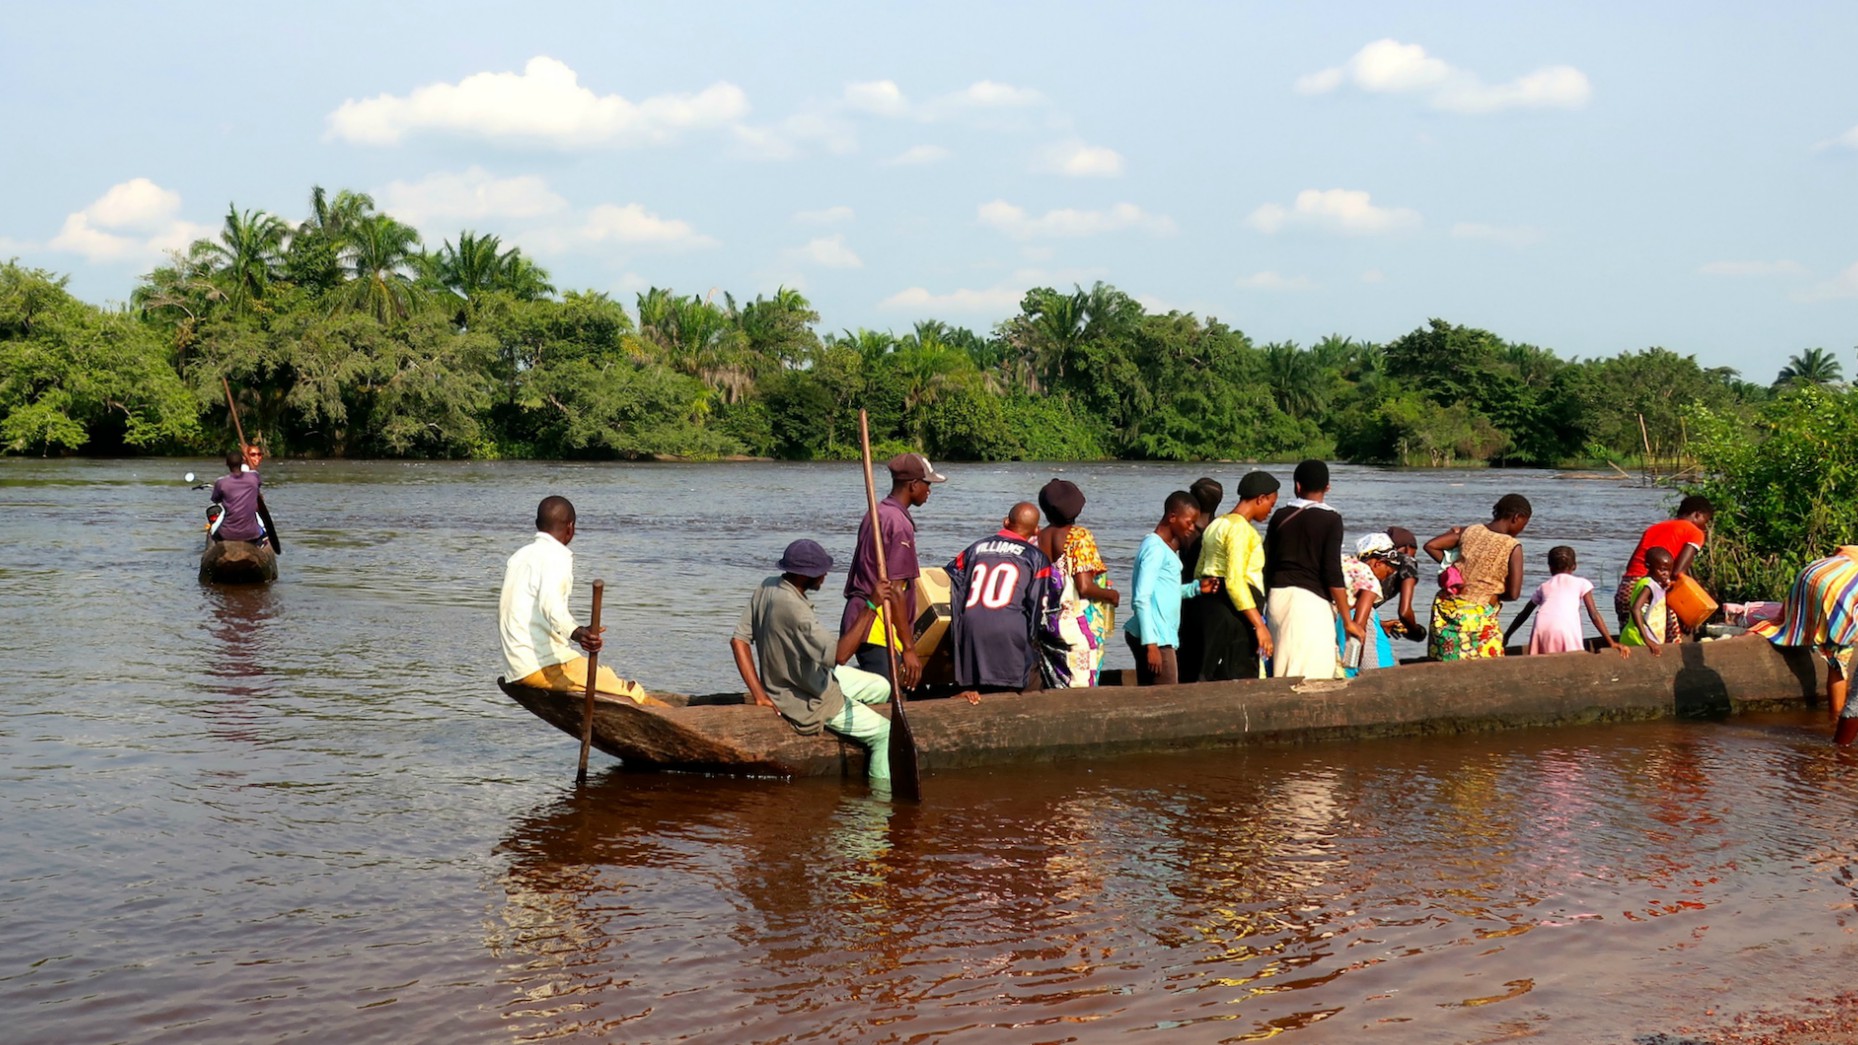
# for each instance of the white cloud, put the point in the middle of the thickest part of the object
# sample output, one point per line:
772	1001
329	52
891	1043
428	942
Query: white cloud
964	301
1374	276
1269	280
885	98
1507	235
1843	285
1015	222
1391	67
917	155
1848	140
134	220
1753	268
824	216
827	252
987	94
544	104
633	224
784	140
1347	211
1077	160
469	195
137	204
878	97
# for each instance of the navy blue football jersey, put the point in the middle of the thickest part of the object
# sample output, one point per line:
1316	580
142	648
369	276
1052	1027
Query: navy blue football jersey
997	593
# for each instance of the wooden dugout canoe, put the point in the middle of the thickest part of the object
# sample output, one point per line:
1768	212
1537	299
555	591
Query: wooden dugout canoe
721	734
238	562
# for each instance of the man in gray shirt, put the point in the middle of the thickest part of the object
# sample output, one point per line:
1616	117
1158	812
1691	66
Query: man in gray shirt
799	670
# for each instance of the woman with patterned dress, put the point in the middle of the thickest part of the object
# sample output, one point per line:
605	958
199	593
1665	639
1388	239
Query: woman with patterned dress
1083	603
1466	623
1369	576
1821	612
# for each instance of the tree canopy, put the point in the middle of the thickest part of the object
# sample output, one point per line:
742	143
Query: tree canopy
349	334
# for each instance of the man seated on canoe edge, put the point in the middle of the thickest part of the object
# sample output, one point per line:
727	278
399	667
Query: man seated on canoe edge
533	617
793	665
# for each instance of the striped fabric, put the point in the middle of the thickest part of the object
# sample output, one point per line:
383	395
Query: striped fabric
1821	609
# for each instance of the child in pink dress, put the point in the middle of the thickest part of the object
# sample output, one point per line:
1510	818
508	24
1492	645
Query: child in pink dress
1558	626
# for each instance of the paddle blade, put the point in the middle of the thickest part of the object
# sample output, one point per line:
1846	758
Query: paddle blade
905	778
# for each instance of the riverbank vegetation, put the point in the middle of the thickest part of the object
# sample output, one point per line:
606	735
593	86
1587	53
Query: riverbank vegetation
350	335
1785	483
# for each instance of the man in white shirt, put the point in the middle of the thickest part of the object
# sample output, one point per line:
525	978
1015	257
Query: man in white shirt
534	621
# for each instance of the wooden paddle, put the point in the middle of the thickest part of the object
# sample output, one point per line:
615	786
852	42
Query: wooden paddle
264	512
593	673
906	780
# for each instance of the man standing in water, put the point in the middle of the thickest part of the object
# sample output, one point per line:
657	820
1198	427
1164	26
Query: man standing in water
534	622
790	663
911	477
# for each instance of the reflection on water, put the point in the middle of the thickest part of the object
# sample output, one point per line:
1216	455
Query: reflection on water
1579	879
240	814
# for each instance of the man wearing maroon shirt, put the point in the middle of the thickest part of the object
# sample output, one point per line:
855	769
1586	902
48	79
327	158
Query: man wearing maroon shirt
237	493
911	476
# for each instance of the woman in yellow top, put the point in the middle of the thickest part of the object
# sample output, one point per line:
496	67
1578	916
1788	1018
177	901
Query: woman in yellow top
1232	552
1465	623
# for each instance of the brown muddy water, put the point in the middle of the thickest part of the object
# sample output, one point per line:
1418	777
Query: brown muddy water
304	812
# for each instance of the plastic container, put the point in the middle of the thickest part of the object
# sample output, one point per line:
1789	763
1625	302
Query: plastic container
1689	602
1351	654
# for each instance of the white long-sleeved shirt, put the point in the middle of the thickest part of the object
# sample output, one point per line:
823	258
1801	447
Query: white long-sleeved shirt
532	615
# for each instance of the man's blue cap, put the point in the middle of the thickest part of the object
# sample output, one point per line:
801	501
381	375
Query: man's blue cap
806	559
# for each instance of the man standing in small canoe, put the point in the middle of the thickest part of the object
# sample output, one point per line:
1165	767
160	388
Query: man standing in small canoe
911	479
237	494
533	617
791	664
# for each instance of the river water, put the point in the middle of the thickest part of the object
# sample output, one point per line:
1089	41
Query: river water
305	811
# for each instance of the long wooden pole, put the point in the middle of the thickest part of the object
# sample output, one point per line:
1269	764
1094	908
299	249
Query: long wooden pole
593	680
906	780
236	426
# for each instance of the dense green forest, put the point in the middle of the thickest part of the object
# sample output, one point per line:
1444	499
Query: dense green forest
349	336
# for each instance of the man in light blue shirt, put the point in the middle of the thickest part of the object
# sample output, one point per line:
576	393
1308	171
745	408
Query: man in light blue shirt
1154	628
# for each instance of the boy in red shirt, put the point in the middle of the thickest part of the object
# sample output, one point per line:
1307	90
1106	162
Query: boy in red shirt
1682	537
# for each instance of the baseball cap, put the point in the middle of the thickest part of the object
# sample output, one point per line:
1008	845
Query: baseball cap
907	467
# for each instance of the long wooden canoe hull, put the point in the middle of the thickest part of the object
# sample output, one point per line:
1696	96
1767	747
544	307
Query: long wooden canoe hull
237	562
1709	679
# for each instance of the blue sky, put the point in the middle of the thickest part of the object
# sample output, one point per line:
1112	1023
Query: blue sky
1587	177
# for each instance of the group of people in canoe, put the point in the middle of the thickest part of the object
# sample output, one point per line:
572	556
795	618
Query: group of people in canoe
238	511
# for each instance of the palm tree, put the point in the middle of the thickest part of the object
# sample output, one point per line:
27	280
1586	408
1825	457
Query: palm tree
248	253
1296	382
1815	366
381	255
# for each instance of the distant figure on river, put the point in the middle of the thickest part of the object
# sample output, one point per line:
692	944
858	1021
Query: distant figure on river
1085	611
534	621
1236	641
790	663
1000	588
1682	537
1305	589
911	479
237	494
1560	598
1489	572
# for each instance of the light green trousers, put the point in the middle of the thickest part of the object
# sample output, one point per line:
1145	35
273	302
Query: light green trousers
859	722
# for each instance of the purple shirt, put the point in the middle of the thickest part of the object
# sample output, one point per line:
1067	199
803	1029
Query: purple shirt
239	493
899	557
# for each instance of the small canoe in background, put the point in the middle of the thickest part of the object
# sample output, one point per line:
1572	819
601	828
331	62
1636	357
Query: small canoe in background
237	562
722	734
